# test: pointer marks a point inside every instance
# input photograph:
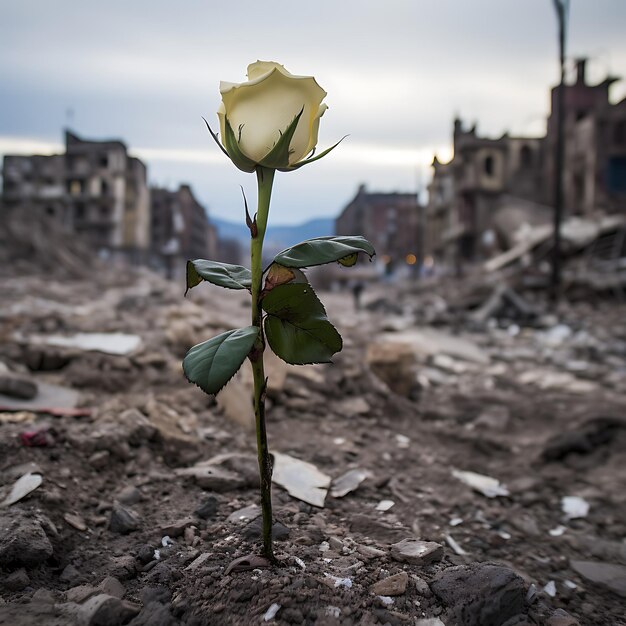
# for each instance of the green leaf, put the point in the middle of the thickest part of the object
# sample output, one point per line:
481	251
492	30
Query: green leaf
211	364
234	152
222	274
278	156
296	325
323	250
295	166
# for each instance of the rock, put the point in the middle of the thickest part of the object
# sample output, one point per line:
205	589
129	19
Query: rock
607	575
99	459
416	552
75	521
105	610
145	554
369	552
123	521
70	575
154	614
383	532
391	586
112	587
17	580
246	514
351	407
481	594
129	495
23	541
122	567
177	528
395	364
421	586
254	529
80	593
207	508
212	478
17	387
45	596
562	618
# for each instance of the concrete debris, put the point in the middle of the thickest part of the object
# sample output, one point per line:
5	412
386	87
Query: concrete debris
109	343
608	575
574	507
384	505
391	586
489	487
348	482
302	480
416	552
22	487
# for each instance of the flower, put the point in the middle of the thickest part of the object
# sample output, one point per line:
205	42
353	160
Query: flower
271	120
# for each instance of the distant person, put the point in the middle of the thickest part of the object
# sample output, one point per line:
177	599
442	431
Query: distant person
357	290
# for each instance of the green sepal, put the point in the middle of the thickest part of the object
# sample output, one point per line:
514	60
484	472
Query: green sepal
211	364
221	274
350	260
296	325
216	138
278	156
321	250
295	166
234	152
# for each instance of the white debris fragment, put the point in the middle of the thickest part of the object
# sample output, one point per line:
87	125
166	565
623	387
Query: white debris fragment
110	343
300	562
455	521
22	487
157	555
333	611
324	546
166	541
504	534
385	505
574	507
455	546
558	531
302	480
550	589
270	614
340	582
339	441
386	600
570	584
429	621
486	485
402	441
348	482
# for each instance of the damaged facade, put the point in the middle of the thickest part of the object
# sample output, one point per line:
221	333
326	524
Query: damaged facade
491	187
98	191
390	221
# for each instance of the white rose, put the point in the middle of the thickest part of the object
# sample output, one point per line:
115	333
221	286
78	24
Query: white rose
260	112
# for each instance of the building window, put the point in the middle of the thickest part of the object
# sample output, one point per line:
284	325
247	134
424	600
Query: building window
488	165
75	187
526	157
50	211
104	160
79	211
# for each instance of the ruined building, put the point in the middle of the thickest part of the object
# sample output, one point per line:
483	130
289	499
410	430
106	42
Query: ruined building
390	221
95	190
491	186
180	229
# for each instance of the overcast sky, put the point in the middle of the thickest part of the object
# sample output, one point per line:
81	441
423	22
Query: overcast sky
396	73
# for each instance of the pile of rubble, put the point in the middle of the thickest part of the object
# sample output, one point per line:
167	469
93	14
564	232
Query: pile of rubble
459	463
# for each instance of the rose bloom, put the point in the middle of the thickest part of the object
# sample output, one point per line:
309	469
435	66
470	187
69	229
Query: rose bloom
262	108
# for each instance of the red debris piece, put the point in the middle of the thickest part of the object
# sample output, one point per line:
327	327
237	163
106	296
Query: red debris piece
40	438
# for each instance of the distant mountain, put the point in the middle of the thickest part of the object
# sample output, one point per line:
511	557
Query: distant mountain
277	236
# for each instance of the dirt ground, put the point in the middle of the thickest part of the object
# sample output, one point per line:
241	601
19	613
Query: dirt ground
116	533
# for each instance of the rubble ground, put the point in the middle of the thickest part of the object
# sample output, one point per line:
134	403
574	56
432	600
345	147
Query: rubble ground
480	458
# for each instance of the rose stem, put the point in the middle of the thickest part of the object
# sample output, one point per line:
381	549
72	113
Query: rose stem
265	178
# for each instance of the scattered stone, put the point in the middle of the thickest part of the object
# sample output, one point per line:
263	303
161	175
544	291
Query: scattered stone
455	545
562	618
17	387
395	364
368	552
70	575
381	531
391	586
244	515
44	596
99	459
608	575
254	530
351	407
574	507
481	594
23	541
17	580
123	521
105	610
199	561
80	593
212	478
421	586
430	621
416	552
385	505
130	495
75	521
207	508
177	528
112	587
